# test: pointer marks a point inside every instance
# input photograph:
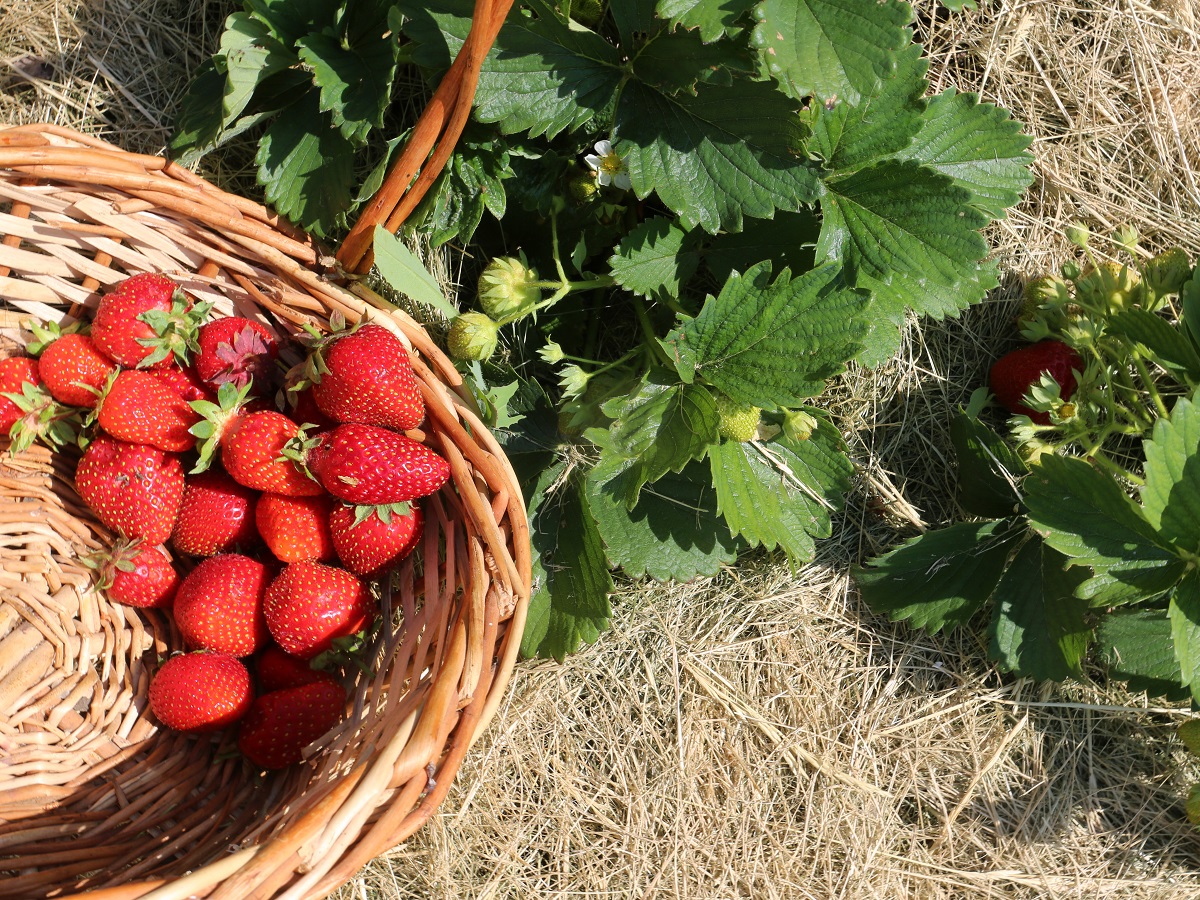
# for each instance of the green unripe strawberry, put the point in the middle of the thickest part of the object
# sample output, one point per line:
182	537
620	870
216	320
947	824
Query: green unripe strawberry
736	421
1167	272
1109	287
472	336
508	289
582	187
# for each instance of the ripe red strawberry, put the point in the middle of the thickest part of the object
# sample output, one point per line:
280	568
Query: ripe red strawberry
309	604
15	373
215	516
133	489
135	574
277	670
366	377
252	452
1012	375
138	408
370	539
295	529
236	350
146	319
369	466
203	691
185	382
280	724
219	605
71	365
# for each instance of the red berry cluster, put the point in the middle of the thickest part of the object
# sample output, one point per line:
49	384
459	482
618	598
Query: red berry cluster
287	510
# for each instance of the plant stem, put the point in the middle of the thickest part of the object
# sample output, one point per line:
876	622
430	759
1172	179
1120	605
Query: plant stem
643	318
1151	389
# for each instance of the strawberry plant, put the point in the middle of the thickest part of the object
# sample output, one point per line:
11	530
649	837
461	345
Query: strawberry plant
1085	525
697	215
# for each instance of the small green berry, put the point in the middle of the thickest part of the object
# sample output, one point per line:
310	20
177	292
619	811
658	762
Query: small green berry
1109	287
799	425
736	421
472	336
1167	272
508	289
582	187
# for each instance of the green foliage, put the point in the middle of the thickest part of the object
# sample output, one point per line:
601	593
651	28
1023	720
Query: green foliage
726	199
1102	541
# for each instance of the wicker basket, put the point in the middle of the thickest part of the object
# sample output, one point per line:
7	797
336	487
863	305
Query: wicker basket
95	797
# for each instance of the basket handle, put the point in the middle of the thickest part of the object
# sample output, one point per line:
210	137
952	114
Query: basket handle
437	130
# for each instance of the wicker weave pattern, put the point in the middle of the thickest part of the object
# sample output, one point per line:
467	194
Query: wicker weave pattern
93	795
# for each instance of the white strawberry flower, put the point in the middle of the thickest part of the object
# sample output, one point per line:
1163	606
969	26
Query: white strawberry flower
608	166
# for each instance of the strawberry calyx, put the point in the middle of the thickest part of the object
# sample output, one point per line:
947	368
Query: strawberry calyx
175	330
244	358
316	342
381	511
118	558
215	419
297	449
46	333
44	419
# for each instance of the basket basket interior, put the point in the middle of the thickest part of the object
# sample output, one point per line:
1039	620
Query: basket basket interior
94	794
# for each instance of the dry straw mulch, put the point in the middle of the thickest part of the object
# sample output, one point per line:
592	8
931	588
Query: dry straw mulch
760	734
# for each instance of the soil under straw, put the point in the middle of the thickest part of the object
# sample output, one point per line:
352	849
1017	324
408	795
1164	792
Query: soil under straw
761	734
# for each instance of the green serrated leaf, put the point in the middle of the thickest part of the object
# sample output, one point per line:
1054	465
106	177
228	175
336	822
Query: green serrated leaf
892	300
770	343
401	268
830	49
679	60
1084	514
788	238
710	18
847	135
780	493
290	20
570	603
897	217
659	428
472	183
1184	612
656	258
1136	645
541	77
355	80
1039	627
634	19
673	533
988	469
306	167
716	156
249	55
1189	733
940	578
976	144
199	119
1171	495
1170	345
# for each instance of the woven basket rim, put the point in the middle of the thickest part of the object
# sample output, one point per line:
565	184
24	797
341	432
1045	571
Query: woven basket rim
154	189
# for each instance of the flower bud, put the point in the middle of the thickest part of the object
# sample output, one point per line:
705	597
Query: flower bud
508	289
1070	270
472	336
1126	237
1078	234
799	425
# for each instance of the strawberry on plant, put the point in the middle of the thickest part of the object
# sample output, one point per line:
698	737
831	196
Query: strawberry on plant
145	320
74	370
219	605
134	489
136	574
277	669
201	691
736	421
280	724
1013	374
139	408
371	539
365	376
368	466
472	336
236	350
295	529
216	515
309	604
